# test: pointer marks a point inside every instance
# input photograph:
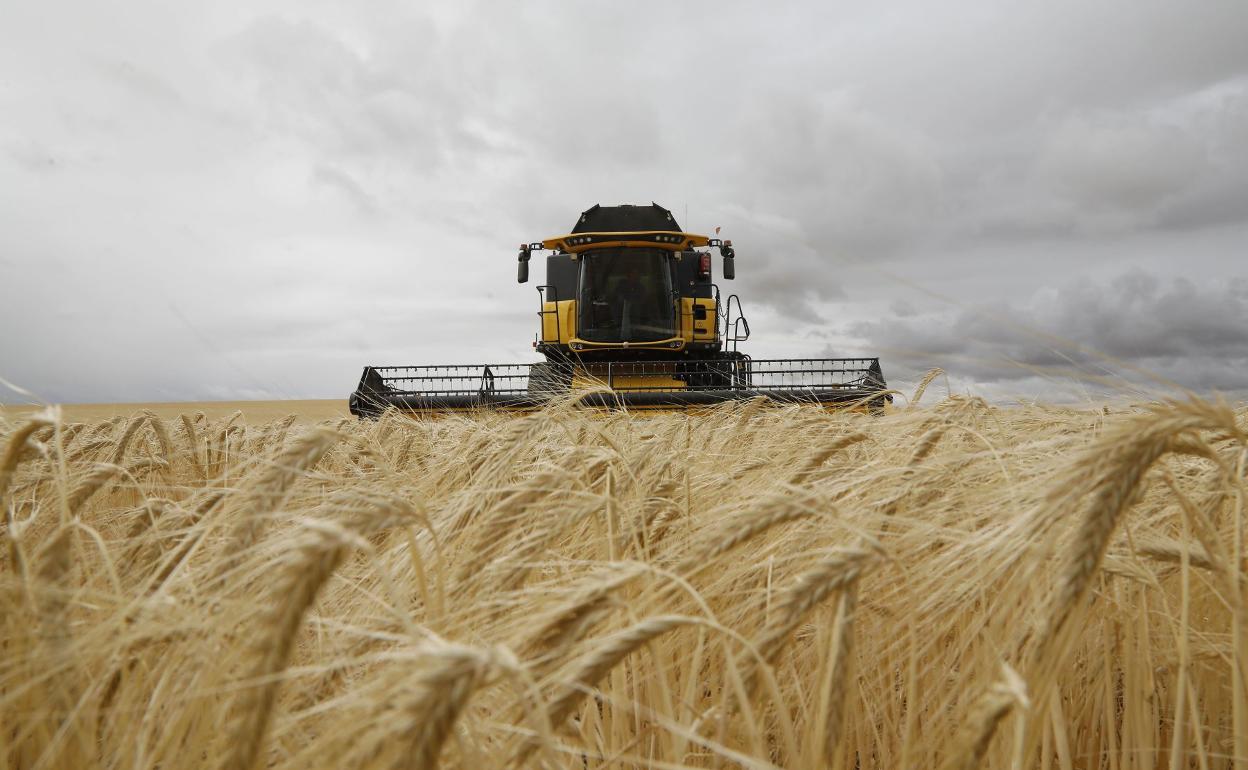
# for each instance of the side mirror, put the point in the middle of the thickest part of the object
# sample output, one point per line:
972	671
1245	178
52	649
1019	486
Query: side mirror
730	264
522	271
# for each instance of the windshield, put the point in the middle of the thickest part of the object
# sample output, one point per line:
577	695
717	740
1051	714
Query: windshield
625	296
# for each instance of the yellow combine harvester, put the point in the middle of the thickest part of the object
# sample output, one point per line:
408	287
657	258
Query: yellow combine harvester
631	317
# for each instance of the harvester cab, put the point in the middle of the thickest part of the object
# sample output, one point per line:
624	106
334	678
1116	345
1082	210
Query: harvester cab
629	316
628	284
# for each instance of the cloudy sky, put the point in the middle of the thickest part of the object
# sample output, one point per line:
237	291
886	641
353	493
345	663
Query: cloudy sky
255	199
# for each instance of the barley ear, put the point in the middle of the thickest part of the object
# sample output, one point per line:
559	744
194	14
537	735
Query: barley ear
294	592
16	446
270	490
597	664
442	693
923	383
973	738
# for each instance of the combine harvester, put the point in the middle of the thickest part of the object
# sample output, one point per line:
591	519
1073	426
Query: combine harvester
630	317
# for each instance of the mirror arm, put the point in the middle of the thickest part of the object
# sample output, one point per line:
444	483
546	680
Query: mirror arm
522	269
728	253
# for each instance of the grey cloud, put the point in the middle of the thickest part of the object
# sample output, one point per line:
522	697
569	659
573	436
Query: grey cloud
819	180
31	155
309	83
1162	166
850	180
343	182
1118	162
1136	327
902	309
148	85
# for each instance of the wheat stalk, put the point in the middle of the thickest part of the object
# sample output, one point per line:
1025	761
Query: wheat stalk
842	650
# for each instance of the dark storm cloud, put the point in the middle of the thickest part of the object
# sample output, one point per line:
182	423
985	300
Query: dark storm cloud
1137	326
304	176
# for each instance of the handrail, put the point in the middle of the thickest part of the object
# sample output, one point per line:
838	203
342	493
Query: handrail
543	312
733	326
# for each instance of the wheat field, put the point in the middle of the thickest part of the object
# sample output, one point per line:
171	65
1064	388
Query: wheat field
952	585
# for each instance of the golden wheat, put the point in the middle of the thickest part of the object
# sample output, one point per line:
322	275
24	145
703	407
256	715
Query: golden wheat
751	585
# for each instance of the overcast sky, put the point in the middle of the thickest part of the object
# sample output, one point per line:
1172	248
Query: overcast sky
255	199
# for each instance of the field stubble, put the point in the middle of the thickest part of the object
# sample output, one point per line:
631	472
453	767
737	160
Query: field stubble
951	586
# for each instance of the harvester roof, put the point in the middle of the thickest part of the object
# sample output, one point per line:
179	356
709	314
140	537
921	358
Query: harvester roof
612	226
626	219
669	240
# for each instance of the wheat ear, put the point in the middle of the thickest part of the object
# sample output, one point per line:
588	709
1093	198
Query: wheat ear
1132	452
597	664
816	460
15	447
604	658
742	528
575	617
923	383
192	441
295	590
99	476
973	738
441	694
132	427
270	490
838	570
162	435
1112	470
494	533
